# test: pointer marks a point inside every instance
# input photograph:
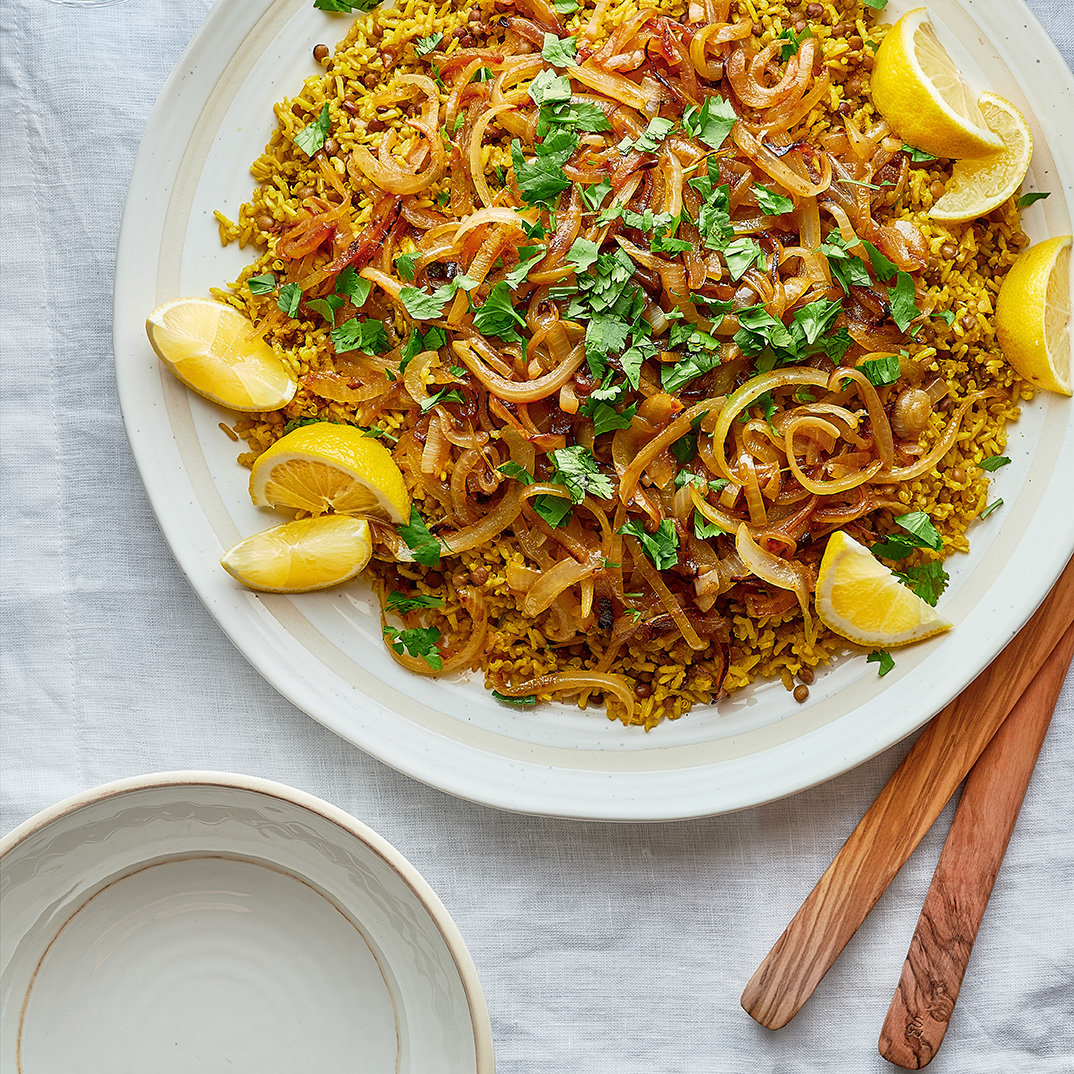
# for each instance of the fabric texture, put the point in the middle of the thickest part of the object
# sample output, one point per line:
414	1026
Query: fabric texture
601	948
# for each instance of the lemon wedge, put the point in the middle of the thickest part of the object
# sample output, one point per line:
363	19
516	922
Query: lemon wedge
979	185
859	598
211	348
1033	315
328	467
301	556
920	92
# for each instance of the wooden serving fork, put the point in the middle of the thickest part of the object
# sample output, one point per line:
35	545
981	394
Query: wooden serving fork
901	815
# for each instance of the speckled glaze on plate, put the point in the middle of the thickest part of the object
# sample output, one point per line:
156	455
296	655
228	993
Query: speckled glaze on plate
208	921
325	652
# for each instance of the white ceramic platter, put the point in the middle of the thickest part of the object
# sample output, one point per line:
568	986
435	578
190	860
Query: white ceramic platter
204	921
324	651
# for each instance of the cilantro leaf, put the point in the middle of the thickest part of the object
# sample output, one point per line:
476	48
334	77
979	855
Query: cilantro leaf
528	256
606	418
895	546
401	603
353	286
262	285
549	88
565	7
560	52
368	336
993	462
703	528
882	266
880	656
595	194
661	546
312	136
928	581
817	318
582	254
424	45
920	525
290	297
657	130
424	546
918	156
326	306
712	122
793	42
419	305
1030	198
947	316
903	307
694	365
876	5
347	6
771	203
885	370
445	395
420	642
404	265
578	471
541	180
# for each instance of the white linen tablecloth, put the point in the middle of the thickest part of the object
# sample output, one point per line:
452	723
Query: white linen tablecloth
601	948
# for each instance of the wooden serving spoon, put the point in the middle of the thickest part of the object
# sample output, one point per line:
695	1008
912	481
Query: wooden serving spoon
901	815
991	799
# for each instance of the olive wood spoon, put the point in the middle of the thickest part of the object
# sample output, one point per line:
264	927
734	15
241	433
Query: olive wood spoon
991	799
900	816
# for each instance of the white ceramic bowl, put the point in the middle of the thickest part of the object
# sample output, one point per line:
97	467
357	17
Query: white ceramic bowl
212	922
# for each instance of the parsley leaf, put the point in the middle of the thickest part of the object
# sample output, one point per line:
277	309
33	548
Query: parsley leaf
578	471
262	285
312	136
1030	198
523	700
661	546
560	52
424	546
928	581
883	658
993	462
401	603
740	255
369	337
418	642
496	316
920	525
606	418
884	370
712	122
541	181
290	297
771	203
882	266
424	45
903	307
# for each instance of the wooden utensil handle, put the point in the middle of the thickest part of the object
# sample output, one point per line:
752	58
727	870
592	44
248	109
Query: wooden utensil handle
940	949
903	811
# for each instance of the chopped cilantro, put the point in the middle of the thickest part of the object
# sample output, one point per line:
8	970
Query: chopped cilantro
312	136
541	181
661	546
345	5
578	471
404	265
711	122
424	546
657	130
350	284
606	418
528	256
793	42
595	194
424	45
703	528
876	5
882	266
884	370
845	267
1031	197
262	285
693	365
947	316
445	395
990	508
560	52
550	88
401	603
565	7
582	254
993	462
290	297
523	700
421	306
883	658
369	337
771	203
326	306
420	642
817	318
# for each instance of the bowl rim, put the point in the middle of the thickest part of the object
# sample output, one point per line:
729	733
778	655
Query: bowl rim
418	885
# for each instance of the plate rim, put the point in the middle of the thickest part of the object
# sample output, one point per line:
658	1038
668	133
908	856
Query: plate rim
546	800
